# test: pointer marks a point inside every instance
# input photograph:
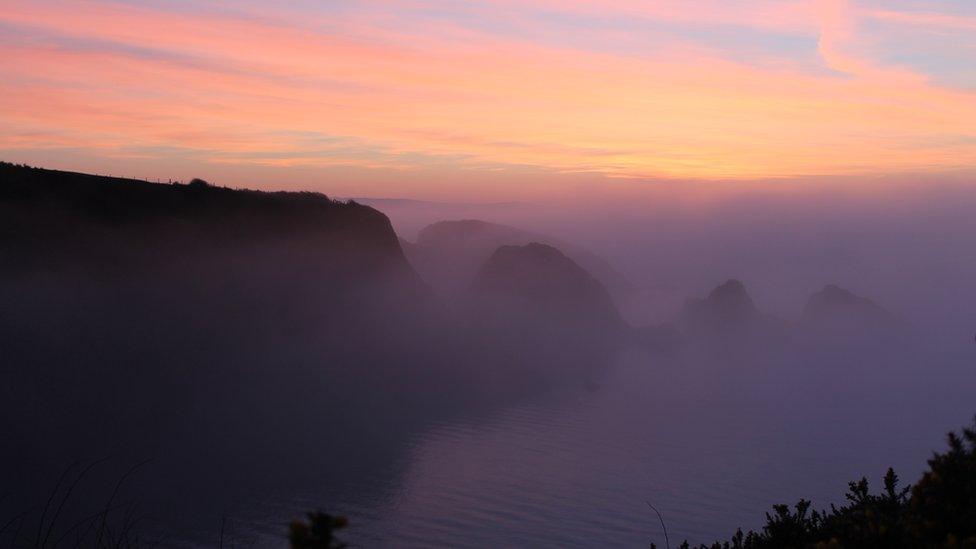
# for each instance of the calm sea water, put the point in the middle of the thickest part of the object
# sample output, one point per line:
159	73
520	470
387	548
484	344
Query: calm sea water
712	448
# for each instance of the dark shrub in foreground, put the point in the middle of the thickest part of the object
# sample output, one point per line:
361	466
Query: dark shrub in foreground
939	511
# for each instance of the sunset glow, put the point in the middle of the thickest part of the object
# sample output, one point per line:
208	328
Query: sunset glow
487	273
640	90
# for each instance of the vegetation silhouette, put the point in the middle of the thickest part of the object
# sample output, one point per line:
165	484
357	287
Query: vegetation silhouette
318	532
939	511
112	524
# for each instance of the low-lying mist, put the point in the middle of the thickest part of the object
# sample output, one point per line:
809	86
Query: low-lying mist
273	353
903	242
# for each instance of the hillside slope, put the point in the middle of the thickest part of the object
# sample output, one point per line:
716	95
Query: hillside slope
206	324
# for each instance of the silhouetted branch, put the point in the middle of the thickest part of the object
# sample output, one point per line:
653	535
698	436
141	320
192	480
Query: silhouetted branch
223	522
67	495
115	492
665	528
50	498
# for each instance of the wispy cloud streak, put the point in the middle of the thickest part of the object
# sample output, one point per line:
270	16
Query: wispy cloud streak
630	90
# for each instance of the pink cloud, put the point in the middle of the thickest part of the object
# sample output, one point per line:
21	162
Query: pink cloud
238	89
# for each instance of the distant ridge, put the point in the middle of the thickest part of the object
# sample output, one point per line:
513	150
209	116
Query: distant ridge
837	313
834	300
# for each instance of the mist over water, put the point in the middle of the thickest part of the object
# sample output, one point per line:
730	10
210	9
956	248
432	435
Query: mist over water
577	471
905	243
709	436
488	273
271	363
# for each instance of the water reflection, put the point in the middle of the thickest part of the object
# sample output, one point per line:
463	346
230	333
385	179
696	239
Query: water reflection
575	469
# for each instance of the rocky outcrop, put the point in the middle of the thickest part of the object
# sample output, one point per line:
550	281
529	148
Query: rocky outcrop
448	254
728	314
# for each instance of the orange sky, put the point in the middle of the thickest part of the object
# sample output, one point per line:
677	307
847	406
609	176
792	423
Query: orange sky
436	98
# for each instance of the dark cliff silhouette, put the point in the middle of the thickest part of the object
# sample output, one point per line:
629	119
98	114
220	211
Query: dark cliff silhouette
60	209
207	327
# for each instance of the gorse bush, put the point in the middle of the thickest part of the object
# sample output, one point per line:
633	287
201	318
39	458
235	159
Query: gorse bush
939	511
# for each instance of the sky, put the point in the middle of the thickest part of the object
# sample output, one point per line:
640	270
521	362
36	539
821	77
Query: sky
490	99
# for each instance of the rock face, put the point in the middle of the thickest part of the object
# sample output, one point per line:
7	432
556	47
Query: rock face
545	307
728	313
546	281
201	256
449	253
129	304
290	251
728	303
727	306
77	221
